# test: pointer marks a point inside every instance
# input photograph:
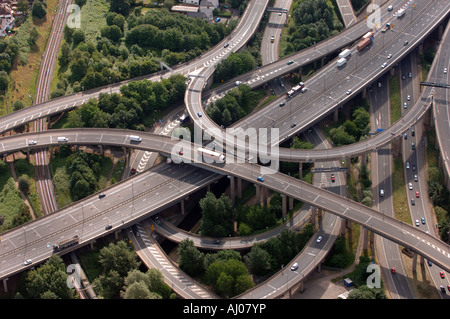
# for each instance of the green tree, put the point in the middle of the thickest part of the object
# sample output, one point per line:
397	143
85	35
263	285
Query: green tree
118	257
24	184
258	260
218	214
191	260
49	280
23	6
38	9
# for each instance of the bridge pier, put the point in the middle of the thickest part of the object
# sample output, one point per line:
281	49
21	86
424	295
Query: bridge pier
414	265
291	203
232	188
283	204
364	93
319	217
313	217
239	187
182	207
336	115
5	284
365	239
300	170
258	191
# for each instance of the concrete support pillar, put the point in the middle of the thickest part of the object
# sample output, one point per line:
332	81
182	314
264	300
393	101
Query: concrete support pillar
414	265
239	187
319	267
364	159
258	191
336	115
232	189
182	207
301	288
364	93
348	163
92	244
313	217
440	31
101	149
420	48
264	196
392	71
300	170
116	234
5	284
322	62
208	188
365	238
283	203
343	226
319	217
291	203
422	260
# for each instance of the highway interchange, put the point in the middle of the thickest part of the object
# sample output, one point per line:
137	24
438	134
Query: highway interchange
371	219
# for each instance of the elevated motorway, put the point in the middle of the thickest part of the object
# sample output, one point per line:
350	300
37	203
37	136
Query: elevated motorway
388	227
237	39
310	107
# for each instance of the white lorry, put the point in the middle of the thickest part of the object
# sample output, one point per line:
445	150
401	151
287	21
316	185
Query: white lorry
400	13
341	62
345	53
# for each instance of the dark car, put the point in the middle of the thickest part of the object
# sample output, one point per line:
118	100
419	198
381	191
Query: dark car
282	104
133	171
406	43
108	227
332	178
226	45
101	195
293	125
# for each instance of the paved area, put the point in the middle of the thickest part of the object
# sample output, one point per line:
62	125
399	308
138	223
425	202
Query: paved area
320	286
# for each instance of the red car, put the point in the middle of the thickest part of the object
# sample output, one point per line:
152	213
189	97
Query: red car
393	270
417	194
180	152
442	274
332	178
133	171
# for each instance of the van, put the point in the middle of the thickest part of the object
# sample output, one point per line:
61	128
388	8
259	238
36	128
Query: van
345	53
341	62
135	138
62	139
390	8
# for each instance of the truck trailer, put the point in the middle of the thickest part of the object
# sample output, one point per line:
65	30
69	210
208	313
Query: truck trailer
363	44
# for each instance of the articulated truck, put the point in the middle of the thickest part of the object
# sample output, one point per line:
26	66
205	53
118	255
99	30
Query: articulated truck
365	41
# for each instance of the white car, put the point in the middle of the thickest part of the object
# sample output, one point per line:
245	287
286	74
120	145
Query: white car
389	56
417	222
238	83
408	98
294	267
405	105
31	142
384	65
410	186
319	239
407	164
27	262
445	70
349	92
